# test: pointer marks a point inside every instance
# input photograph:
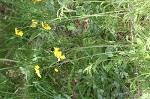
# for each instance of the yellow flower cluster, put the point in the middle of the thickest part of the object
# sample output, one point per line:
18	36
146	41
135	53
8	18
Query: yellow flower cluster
18	32
37	70
34	24
46	26
56	51
58	54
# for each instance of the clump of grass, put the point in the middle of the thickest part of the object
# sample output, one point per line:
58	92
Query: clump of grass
74	49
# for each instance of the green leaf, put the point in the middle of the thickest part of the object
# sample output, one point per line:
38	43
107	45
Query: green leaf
91	68
102	58
109	50
108	67
23	70
71	27
139	41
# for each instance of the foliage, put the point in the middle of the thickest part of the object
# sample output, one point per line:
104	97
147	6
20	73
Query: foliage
84	49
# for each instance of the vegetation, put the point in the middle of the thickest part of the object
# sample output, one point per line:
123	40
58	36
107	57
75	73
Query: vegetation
74	49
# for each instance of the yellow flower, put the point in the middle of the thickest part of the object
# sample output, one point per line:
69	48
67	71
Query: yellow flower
58	54
37	70
34	23
46	26
56	49
56	70
62	57
18	32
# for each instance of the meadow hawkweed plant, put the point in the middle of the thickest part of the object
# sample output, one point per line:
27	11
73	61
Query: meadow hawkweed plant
18	32
56	70
58	54
46	26
100	49
34	24
37	70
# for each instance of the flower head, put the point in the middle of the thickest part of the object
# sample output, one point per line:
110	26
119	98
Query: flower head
18	32
58	54
37	70
56	49
34	23
46	26
56	70
62	57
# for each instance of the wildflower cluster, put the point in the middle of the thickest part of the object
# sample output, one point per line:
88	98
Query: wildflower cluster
58	54
18	32
33	25
44	25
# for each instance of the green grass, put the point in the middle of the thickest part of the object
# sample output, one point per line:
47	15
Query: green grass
106	44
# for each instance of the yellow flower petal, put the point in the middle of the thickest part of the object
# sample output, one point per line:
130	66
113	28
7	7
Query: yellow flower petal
58	54
36	67
46	26
56	70
62	57
38	73
56	49
37	70
18	32
34	24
